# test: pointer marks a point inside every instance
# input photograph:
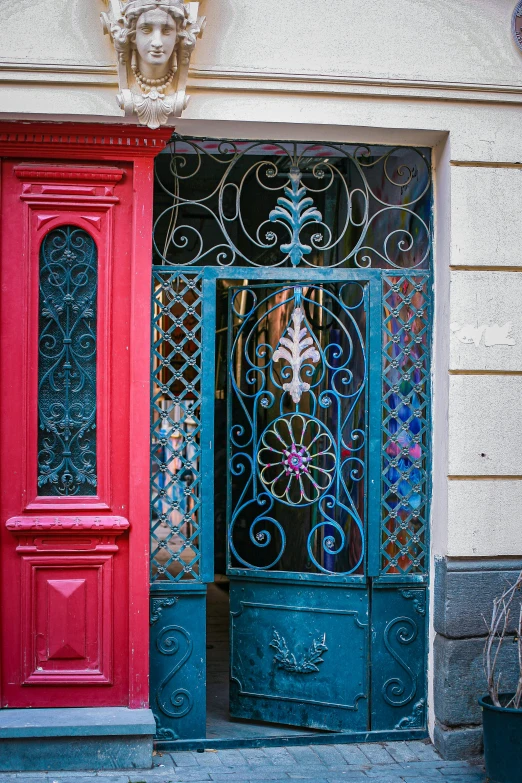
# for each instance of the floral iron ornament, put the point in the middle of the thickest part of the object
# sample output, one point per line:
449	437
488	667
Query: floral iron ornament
309	661
296	459
297	350
154	41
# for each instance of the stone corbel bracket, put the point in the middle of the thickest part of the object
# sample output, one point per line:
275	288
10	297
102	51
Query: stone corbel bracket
152	107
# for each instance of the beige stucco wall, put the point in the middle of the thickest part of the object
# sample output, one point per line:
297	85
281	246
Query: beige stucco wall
440	72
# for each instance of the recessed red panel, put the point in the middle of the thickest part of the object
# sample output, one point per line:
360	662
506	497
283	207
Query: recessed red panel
67	622
66	631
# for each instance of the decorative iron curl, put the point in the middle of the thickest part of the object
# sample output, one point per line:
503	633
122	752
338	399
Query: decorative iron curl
261	538
394	689
326	505
179	702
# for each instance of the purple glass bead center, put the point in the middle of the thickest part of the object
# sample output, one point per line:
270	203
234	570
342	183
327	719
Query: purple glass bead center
296	460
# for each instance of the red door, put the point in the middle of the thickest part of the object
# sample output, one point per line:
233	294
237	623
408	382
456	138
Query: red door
74	407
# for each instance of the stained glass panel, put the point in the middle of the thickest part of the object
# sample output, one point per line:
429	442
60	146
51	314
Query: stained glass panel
406	410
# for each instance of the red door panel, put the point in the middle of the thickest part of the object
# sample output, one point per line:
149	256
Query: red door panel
74	569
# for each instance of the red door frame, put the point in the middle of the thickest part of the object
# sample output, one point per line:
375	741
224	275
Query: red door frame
99	177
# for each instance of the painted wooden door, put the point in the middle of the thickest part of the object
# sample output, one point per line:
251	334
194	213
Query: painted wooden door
73	410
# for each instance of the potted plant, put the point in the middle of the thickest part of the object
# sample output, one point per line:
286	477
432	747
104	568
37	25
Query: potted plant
502	712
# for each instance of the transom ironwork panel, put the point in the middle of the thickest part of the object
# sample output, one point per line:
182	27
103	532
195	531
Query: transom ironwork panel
176	427
268	204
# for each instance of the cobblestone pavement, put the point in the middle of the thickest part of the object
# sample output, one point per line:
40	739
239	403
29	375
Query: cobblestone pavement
398	762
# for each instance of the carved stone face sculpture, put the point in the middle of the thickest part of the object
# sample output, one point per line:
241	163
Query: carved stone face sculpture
155	40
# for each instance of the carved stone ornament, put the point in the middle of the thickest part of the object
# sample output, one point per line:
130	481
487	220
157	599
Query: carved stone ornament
154	40
516	24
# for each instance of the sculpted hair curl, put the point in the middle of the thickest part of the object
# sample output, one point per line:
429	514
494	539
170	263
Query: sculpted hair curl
133	10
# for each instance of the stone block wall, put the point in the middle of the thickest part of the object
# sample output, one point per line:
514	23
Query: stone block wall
480	551
464	592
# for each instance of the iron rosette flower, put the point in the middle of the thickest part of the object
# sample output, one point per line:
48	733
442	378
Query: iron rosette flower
296	459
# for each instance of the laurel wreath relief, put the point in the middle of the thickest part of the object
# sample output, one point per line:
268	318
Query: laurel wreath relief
309	661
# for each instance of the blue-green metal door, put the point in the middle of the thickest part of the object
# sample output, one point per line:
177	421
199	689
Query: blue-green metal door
300	478
314	260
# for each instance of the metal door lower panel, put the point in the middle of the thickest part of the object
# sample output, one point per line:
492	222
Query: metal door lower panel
299	654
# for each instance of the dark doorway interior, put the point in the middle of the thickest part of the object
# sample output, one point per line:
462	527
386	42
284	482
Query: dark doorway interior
219	723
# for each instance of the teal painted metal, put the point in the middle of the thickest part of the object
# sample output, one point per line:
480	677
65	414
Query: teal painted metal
67	363
207	435
374	429
399	653
327	218
290	654
178	654
176	427
299	604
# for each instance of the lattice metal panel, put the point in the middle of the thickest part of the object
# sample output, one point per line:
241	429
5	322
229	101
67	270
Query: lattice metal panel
176	427
405	426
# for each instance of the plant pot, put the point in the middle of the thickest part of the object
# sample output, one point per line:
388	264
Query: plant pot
502	741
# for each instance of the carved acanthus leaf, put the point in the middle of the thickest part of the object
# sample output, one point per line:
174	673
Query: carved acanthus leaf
153	109
297	350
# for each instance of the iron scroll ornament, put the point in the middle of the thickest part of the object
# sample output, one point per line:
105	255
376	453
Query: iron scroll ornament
271	204
297	461
157	607
67	363
178	703
394	690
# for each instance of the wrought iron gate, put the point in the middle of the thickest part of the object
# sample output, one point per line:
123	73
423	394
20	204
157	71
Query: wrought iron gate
314	261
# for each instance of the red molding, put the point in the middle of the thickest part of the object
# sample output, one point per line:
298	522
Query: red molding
100	142
53	172
105	524
89	207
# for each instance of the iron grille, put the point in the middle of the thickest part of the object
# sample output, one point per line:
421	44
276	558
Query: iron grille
405	424
271	204
67	363
176	426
